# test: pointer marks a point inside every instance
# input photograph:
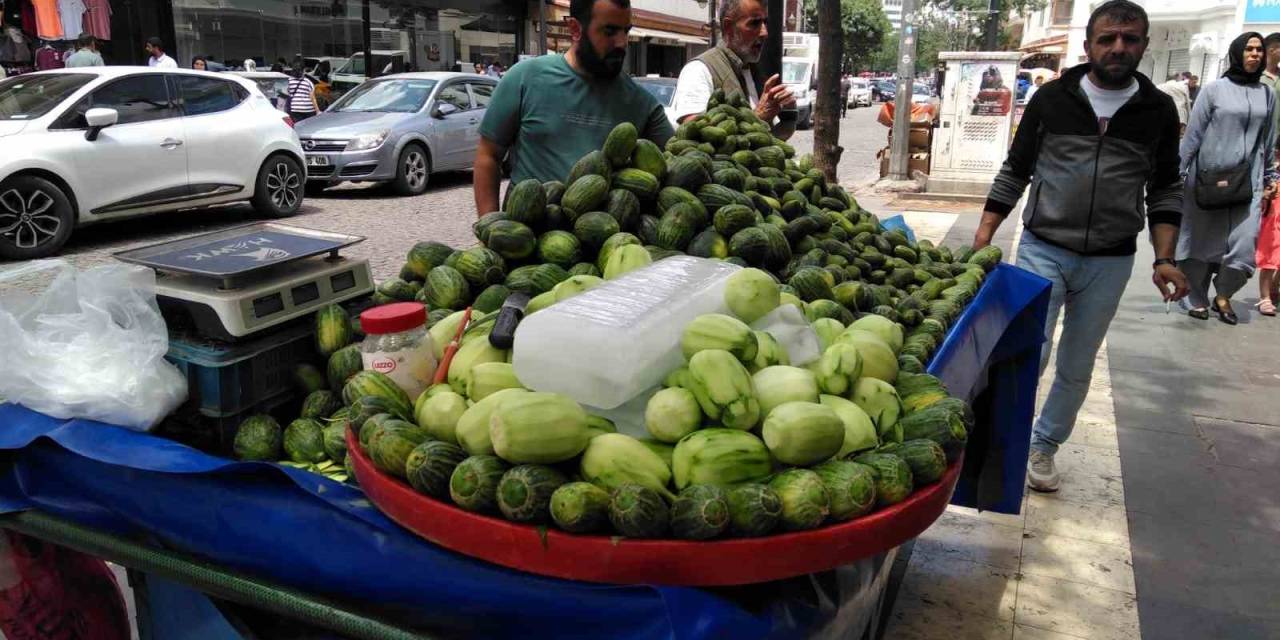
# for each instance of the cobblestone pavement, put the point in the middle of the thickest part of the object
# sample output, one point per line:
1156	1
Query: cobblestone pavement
393	224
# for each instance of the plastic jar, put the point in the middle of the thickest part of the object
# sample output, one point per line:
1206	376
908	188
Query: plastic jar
397	344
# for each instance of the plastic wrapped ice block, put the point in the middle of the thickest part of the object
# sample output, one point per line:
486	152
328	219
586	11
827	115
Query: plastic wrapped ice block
605	346
793	332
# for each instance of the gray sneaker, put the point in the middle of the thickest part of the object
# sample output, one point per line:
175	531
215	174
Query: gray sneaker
1042	475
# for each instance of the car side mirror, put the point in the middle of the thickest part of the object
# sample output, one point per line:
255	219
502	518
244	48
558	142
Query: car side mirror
99	119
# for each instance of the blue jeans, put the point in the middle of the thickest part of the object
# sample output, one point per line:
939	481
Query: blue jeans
1089	287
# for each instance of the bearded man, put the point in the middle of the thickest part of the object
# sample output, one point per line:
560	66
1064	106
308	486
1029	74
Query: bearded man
550	111
1099	148
729	66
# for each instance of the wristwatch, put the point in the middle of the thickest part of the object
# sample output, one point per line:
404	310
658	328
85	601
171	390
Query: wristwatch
1160	261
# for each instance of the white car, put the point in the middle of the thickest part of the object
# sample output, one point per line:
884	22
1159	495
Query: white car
93	144
860	93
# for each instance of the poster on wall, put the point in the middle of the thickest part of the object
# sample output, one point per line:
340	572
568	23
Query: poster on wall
984	87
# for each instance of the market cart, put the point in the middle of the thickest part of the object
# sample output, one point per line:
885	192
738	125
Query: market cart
301	545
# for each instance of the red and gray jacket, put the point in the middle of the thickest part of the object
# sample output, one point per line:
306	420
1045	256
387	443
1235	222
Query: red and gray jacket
1092	192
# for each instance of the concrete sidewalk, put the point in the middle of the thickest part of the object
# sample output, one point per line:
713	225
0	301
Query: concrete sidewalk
1168	520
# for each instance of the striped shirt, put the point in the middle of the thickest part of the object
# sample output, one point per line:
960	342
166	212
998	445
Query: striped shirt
300	92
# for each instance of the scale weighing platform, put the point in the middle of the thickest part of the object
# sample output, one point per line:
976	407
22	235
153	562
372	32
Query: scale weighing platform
233	283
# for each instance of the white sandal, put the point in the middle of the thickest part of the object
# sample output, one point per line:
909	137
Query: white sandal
1266	307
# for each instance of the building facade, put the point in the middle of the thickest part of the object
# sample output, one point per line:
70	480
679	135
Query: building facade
1186	35
396	35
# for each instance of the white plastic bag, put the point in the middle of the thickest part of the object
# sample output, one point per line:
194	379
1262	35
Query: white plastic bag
86	344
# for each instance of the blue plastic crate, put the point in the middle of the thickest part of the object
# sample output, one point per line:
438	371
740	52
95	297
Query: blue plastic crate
224	379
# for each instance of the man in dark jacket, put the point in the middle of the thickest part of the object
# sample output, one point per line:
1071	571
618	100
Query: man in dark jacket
1093	145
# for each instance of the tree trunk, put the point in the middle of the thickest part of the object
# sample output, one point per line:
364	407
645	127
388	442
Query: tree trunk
826	110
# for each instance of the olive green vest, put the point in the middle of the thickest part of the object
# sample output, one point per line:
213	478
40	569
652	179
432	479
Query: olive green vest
726	69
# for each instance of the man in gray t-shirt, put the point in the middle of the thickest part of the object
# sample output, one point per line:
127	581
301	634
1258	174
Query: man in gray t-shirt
86	54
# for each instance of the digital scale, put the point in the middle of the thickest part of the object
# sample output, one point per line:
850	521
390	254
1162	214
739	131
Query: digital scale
240	281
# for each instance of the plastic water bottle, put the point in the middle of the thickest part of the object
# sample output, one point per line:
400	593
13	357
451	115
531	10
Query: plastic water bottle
605	346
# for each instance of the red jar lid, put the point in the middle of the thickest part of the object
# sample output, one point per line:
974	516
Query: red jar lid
394	318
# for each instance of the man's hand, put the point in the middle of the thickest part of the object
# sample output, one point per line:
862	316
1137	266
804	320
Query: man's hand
1167	274
775	97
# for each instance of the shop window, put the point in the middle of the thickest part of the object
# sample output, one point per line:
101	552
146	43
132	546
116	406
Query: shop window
206	95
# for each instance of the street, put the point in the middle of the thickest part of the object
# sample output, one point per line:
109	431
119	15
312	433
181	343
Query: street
393	224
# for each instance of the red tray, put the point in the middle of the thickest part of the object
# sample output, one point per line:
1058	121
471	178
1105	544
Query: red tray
616	560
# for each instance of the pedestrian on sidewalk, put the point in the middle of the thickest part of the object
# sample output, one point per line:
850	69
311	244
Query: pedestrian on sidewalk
302	94
156	57
846	85
1176	88
86	54
1080	224
1226	152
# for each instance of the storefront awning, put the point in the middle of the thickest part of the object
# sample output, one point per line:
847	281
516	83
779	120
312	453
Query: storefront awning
658	34
1054	44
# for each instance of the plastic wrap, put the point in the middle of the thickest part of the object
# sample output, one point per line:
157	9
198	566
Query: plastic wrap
91	343
607	345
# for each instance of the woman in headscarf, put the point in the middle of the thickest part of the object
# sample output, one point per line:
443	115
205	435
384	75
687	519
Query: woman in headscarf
1230	124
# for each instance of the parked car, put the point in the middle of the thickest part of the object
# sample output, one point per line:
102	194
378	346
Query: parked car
92	144
798	75
921	93
664	89
273	84
884	90
860	93
350	73
397	129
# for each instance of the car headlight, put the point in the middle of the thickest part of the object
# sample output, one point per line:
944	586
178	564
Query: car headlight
367	141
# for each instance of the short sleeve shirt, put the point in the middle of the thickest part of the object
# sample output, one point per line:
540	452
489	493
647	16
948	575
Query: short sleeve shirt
548	116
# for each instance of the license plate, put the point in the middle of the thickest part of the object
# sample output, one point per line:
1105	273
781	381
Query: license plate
317	161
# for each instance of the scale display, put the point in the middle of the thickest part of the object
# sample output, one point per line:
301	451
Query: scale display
238	251
237	282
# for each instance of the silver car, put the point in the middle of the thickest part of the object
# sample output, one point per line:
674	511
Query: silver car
397	129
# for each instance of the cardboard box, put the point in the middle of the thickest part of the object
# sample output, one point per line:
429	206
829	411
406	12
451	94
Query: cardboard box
918	162
919	138
915	162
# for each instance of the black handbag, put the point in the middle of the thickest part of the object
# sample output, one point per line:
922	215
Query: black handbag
1232	186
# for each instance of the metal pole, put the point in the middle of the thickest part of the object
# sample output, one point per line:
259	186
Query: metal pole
993	25
542	27
898	153
366	34
711	20
771	58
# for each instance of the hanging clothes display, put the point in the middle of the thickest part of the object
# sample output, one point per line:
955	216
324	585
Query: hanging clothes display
97	18
71	13
48	23
28	17
14	48
48	57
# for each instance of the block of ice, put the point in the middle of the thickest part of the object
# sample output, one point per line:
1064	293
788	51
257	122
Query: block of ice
605	346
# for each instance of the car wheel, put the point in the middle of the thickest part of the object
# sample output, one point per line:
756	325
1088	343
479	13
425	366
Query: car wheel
280	186
36	218
413	171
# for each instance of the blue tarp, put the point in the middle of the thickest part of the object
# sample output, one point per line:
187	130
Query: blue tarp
322	537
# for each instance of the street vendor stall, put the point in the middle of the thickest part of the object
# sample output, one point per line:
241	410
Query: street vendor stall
721	425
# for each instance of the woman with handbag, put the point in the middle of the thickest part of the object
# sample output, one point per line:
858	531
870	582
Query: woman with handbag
302	95
1225	152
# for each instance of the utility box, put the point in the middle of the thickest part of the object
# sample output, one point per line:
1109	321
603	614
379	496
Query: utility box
976	122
